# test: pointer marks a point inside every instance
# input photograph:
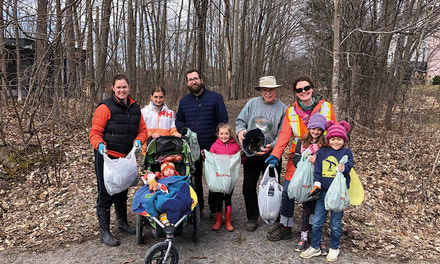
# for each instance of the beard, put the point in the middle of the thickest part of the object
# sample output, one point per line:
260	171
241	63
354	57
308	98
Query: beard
195	89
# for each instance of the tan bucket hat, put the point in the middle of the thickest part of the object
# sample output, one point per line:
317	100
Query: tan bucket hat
267	82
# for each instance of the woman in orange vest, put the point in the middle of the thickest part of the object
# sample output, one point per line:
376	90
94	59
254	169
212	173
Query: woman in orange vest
295	126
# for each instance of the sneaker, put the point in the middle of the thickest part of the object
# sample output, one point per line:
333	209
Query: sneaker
310	252
251	225
324	249
333	255
279	233
272	228
302	244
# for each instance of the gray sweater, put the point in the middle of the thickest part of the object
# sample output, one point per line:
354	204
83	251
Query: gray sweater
258	114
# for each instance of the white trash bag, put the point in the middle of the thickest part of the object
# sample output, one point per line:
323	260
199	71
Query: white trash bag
120	174
269	197
221	171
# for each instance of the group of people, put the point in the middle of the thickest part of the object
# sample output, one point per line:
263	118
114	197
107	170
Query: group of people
119	124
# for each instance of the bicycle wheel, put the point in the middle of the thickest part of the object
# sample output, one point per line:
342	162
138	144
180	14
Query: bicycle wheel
156	254
140	222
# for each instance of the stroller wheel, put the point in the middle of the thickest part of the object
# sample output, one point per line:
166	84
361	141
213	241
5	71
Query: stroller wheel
140	222
195	215
157	253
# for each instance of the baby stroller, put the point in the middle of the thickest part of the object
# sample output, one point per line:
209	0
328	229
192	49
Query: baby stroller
158	150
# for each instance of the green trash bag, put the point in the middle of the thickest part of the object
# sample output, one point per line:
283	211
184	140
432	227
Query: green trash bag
337	198
302	181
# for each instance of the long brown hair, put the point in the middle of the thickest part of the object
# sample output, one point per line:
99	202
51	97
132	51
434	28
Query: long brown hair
308	139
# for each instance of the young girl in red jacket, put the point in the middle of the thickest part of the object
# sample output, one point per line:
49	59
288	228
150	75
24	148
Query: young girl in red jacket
225	144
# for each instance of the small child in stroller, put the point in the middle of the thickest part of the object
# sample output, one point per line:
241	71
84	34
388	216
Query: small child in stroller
167	169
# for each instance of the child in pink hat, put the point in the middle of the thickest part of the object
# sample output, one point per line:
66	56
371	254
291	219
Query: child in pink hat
326	167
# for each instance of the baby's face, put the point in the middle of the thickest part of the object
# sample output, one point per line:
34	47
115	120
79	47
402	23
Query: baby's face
168	172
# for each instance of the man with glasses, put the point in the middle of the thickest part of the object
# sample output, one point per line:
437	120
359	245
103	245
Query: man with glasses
265	112
201	111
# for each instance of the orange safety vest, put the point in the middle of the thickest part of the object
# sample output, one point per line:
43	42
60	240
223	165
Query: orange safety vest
299	129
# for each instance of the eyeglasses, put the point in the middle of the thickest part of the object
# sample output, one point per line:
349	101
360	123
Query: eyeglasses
193	79
300	90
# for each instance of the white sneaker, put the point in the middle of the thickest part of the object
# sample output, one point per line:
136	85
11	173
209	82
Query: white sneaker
310	252
333	255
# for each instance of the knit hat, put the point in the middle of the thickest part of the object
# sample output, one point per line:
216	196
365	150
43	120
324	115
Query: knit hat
317	121
337	130
167	165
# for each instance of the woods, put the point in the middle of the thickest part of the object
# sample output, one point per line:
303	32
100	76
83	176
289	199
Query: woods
368	57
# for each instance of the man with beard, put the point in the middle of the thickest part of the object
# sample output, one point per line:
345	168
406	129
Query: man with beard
201	111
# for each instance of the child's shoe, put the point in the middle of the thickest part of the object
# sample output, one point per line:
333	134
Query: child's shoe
311	252
218	222
228	224
302	244
333	255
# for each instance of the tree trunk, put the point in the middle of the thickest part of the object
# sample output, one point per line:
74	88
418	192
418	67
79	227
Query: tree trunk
102	45
336	47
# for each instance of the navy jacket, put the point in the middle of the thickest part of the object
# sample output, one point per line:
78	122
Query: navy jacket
202	114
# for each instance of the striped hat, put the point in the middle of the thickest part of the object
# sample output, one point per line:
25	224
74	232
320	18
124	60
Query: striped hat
167	165
337	130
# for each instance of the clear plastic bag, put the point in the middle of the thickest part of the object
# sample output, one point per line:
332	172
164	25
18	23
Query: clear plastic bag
337	198
302	181
269	197
120	174
193	144
221	171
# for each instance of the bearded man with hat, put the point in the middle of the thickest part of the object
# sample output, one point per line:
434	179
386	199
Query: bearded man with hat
265	112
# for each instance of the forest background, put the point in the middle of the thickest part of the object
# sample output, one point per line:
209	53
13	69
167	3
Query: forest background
368	57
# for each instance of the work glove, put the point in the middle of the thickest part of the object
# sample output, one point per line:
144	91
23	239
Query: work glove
101	148
138	146
315	192
272	160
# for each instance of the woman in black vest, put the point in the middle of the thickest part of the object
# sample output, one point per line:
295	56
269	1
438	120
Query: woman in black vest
117	125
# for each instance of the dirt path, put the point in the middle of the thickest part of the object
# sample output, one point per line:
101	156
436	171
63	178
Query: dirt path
239	246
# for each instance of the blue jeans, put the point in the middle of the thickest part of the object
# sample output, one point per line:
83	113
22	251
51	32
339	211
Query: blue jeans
287	205
318	222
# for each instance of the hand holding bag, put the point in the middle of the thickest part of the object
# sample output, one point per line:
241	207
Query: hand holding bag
337	198
302	181
221	171
269	197
120	174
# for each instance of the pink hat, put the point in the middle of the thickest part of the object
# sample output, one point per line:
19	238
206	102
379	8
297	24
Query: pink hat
337	130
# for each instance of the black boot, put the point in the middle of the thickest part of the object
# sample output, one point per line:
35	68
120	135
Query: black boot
104	228
121	214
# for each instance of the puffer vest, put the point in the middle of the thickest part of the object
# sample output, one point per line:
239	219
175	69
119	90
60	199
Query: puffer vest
123	125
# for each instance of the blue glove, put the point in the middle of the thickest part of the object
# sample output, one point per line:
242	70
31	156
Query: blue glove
272	160
101	148
138	145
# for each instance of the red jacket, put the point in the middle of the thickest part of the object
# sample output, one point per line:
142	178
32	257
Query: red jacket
230	148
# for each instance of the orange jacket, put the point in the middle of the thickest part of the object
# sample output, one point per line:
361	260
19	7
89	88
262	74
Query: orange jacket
99	121
294	127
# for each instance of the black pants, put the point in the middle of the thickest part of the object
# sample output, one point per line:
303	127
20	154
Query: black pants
253	167
219	198
105	200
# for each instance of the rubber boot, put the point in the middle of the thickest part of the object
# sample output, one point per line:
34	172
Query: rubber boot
218	222
121	214
104	228
228	224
